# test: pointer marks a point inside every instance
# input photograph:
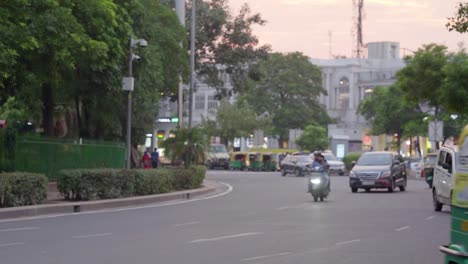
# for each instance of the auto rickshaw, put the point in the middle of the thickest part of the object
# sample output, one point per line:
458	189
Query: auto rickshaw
270	161
255	161
457	251
239	161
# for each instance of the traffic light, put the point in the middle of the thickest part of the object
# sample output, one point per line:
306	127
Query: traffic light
161	134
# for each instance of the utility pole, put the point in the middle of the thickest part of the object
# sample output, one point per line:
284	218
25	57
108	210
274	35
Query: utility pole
180	11
192	59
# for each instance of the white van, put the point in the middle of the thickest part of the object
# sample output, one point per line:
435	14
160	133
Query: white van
444	171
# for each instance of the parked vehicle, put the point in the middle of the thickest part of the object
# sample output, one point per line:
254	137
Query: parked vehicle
336	166
377	170
428	171
239	161
444	176
318	183
457	251
297	164
270	161
217	156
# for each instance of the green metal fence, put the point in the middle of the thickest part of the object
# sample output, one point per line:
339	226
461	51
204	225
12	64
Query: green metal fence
49	156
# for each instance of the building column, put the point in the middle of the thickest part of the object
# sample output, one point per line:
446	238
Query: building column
352	90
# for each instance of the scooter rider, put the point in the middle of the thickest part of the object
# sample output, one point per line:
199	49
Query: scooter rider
319	160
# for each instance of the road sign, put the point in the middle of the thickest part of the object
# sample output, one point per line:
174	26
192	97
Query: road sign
436	130
128	83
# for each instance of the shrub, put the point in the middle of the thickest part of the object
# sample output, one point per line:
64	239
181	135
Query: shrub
349	158
20	189
98	184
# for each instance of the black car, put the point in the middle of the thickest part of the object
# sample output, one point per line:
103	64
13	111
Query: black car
297	164
378	170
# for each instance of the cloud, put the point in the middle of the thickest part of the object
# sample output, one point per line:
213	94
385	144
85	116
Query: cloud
394	3
308	2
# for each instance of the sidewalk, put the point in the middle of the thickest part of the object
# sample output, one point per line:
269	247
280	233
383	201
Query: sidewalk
57	205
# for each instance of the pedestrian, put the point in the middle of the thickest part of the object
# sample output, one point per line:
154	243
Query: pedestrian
146	160
155	158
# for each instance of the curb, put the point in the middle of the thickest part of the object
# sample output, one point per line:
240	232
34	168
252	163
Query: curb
76	207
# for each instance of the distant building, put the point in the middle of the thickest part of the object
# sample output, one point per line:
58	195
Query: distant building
348	82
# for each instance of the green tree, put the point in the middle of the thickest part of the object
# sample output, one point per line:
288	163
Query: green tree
388	113
313	138
459	22
188	145
421	80
288	93
234	121
455	86
225	43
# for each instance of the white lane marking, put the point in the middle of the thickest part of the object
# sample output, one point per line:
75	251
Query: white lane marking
282	208
347	242
187	224
229	190
430	217
224	237
93	235
18	229
11	244
402	228
268	256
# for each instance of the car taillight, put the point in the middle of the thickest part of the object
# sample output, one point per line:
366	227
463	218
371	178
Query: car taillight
423	174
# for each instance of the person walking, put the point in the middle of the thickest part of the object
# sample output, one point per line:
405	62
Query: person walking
155	158
146	160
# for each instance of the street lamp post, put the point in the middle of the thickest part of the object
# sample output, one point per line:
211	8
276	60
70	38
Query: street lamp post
128	85
192	59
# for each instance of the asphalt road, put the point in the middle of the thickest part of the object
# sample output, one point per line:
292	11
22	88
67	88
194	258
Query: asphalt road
264	218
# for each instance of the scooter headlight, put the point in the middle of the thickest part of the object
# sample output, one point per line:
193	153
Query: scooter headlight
316	181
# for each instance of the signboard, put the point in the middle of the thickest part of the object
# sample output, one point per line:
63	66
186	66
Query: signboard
128	83
436	130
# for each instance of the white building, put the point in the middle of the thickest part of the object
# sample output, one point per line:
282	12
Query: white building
348	82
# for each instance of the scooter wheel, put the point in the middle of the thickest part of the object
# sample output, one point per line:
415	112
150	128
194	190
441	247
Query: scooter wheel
315	198
321	198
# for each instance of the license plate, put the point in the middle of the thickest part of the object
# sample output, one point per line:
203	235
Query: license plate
367	183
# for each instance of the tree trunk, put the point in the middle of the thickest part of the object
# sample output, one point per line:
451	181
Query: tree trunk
411	146
418	146
47	109
78	115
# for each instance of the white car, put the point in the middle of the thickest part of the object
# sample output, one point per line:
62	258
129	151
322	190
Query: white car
444	171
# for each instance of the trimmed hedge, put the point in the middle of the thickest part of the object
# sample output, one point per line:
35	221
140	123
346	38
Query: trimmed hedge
349	158
98	184
20	189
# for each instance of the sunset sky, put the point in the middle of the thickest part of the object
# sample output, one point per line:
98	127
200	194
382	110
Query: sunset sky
303	25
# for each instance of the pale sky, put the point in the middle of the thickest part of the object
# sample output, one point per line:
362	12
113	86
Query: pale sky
303	25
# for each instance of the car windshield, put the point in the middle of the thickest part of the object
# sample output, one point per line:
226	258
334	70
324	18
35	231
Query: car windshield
218	149
430	159
375	160
330	157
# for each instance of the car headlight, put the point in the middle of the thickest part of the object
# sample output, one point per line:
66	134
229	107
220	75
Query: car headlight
316	181
386	174
353	174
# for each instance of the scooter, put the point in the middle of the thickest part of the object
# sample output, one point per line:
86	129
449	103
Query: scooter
319	183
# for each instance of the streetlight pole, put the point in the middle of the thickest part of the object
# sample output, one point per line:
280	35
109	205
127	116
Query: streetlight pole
192	59
129	109
180	10
128	85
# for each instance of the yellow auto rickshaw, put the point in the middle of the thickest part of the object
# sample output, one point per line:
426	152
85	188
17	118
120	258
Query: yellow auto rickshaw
457	251
270	161
239	161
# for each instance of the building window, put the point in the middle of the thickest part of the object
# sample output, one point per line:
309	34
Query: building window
343	93
212	102
200	102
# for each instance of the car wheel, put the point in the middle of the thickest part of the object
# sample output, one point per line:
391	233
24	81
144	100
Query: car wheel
392	186
354	190
403	187
297	172
437	205
367	189
283	172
